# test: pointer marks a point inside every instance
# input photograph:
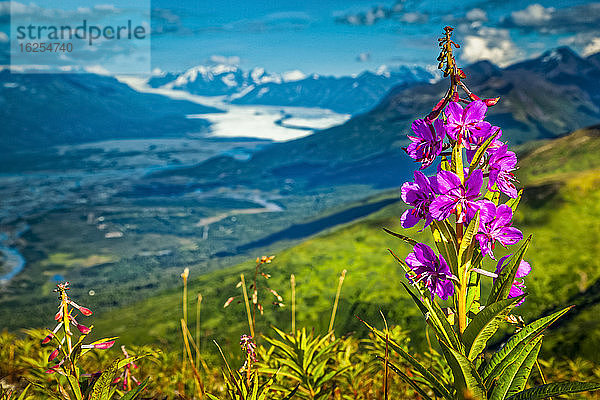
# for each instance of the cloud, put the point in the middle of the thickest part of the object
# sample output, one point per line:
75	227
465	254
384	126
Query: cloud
165	21
3	37
277	21
476	14
363	57
490	44
592	48
218	59
414	17
535	17
379	13
292	76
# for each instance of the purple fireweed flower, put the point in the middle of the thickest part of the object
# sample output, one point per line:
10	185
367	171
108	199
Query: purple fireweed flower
427	142
496	225
467	125
518	286
453	192
502	162
418	194
432	270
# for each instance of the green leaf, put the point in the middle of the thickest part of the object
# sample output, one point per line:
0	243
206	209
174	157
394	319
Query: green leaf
508	376
493	195
465	251
466	379
101	389
211	397
496	363
506	278
436	319
554	389
74	385
133	393
524	371
484	325
24	393
514	203
481	151
428	376
402	237
407	379
292	393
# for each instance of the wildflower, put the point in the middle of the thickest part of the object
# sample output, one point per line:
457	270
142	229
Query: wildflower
264	259
502	162
418	194
453	193
518	286
467	125
432	270
428	141
248	346
496	225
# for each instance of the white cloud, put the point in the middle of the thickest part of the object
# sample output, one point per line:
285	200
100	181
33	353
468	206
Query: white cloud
292	76
218	59
3	37
97	69
533	15
592	48
476	14
490	44
414	18
363	57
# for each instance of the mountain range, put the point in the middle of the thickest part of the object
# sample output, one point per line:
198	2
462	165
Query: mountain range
541	98
346	94
42	110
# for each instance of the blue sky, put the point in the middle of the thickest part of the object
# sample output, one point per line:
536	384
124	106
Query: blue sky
338	37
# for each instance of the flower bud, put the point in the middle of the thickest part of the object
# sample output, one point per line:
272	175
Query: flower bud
104	345
85	311
53	355
48	338
491	102
83	329
58	315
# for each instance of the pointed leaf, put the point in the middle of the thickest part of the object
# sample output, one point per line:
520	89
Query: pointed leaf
133	393
508	376
514	203
436	319
407	379
466	379
408	240
484	325
554	389
494	365
428	376
524	372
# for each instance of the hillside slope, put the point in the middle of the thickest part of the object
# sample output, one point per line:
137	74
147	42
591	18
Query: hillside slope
561	208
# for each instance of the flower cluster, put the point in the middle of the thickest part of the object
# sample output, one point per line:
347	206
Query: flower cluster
457	193
65	318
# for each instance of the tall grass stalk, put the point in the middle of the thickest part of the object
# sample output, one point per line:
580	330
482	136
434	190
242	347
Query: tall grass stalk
337	299
184	276
293	283
198	305
248	312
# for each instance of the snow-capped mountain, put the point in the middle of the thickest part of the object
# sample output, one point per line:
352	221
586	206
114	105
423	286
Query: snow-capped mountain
347	94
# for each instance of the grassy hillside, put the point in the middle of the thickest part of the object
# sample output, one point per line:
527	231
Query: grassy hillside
561	209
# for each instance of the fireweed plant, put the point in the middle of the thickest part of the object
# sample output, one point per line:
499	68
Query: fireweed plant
468	217
72	382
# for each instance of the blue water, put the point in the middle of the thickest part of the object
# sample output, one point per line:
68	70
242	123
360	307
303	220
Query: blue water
13	261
